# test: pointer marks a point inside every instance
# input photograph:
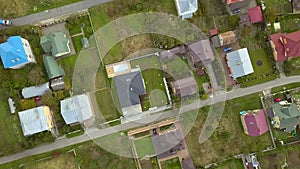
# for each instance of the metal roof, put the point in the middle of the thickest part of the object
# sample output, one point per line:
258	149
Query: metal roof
35	120
52	68
239	62
12	52
129	87
287	114
34	91
186	8
76	109
56	43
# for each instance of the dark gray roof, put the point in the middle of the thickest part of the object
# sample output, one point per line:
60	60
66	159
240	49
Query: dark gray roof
238	5
129	87
167	144
187	164
201	51
216	41
185	87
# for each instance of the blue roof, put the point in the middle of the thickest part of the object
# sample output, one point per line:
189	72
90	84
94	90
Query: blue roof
240	63
12	52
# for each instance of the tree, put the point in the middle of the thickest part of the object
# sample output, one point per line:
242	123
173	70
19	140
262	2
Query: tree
49	100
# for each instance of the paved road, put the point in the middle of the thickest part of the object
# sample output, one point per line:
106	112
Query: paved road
92	133
56	12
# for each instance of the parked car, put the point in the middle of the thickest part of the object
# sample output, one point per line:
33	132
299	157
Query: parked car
154	131
228	49
236	11
278	99
38	98
5	22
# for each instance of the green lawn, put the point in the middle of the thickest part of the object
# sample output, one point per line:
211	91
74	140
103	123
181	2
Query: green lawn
229	138
74	25
285	87
144	147
292	67
106	105
289	25
278	6
173	163
153	78
77	43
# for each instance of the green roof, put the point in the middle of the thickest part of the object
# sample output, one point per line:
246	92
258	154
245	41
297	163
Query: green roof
56	43
52	68
287	114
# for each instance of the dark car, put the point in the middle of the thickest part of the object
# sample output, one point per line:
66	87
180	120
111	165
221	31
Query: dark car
154	131
228	49
288	96
236	11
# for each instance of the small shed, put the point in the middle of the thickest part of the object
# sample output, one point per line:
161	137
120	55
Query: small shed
213	32
85	42
12	106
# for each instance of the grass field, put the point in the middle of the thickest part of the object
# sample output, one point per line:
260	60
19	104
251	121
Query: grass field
173	163
144	147
153	78
17	8
229	138
292	67
285	87
278	6
231	164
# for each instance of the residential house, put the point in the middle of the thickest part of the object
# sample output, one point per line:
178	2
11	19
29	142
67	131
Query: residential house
286	116
254	122
57	84
129	88
55	73
186	8
170	54
239	63
228	2
227	38
36	120
237	4
185	87
55	43
285	45
33	91
16	53
255	15
201	51
76	109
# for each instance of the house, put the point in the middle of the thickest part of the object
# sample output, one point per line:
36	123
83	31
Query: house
129	88
239	63
215	41
201	51
52	68
55	43
227	38
296	6
245	20
286	116
57	84
285	45
186	8
34	91
16	53
255	15
76	109
228	2
36	120
185	87
213	32
254	122
237	4
166	55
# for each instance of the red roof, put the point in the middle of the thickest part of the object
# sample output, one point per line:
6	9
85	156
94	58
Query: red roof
286	45
213	32
255	14
256	123
232	1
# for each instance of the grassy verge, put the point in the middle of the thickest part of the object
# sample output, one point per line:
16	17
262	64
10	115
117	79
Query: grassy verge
173	163
75	133
285	87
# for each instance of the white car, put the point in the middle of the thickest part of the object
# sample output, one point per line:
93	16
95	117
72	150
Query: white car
5	22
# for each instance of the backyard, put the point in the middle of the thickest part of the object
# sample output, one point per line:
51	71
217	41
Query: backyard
144	147
230	164
173	163
229	138
292	67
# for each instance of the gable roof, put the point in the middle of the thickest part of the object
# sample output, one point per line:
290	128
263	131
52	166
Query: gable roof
36	120
255	14
185	87
129	87
34	91
76	109
239	63
201	51
287	114
255	122
186	8
12	52
56	43
52	68
286	45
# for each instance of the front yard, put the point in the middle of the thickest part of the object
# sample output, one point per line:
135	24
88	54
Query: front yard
292	67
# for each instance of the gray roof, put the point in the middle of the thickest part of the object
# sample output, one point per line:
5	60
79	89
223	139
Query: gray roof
12	106
201	51
288	115
76	109
34	91
35	120
187	164
239	62
186	8
185	87
129	87
57	84
167	144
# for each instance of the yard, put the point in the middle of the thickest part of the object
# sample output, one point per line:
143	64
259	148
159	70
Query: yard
173	163
144	147
230	164
292	67
278	6
229	138
153	78
18	8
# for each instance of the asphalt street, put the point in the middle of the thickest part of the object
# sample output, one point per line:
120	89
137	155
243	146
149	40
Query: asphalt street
92	133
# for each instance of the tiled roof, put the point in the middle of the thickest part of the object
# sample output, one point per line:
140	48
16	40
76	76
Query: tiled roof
255	14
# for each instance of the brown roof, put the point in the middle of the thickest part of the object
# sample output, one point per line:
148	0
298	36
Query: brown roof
185	87
201	51
170	54
227	38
